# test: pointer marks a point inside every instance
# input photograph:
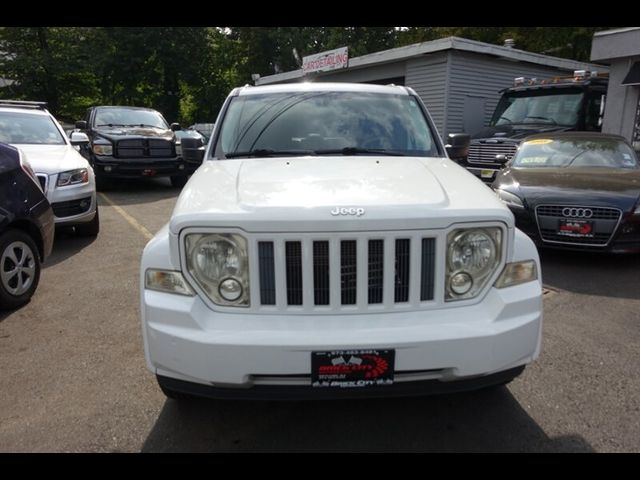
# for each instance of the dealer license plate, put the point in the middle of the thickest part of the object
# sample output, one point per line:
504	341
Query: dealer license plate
575	228
352	368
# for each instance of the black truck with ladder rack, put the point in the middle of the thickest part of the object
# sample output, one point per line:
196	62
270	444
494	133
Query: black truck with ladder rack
533	106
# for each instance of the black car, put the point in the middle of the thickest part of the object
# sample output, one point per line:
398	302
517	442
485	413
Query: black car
26	228
132	142
575	190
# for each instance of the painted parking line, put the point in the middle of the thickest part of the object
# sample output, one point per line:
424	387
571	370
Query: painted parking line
134	223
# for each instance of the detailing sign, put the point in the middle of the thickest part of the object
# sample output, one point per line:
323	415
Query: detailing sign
326	61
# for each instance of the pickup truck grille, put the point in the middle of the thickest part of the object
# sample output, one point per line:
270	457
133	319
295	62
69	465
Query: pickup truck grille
144	148
347	272
485	153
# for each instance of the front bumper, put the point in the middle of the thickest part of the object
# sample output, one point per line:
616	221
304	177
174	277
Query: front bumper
625	239
187	341
110	167
72	204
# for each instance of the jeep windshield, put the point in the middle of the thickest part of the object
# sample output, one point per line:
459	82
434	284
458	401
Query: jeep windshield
29	129
129	117
324	123
540	107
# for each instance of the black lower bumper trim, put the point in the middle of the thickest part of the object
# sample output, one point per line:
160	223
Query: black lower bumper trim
299	392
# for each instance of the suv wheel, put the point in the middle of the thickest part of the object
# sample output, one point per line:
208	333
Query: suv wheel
89	229
19	268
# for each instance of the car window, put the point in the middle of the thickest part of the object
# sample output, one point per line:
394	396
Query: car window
125	117
323	121
575	152
29	129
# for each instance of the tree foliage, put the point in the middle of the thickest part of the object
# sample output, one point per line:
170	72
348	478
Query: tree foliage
186	72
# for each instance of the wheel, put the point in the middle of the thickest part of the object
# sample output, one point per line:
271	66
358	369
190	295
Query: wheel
179	181
89	229
19	268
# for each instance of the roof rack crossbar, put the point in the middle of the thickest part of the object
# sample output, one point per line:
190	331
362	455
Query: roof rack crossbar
23	103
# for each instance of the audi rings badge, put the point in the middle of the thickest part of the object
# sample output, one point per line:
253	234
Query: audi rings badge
573	212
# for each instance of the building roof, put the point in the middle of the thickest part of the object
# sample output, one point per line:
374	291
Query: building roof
442	44
612	44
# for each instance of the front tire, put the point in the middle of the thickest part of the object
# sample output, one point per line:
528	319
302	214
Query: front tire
19	268
89	229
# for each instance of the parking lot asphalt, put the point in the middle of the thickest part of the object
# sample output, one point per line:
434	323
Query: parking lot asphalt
73	376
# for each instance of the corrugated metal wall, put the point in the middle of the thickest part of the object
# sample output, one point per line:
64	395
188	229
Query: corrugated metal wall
471	74
428	77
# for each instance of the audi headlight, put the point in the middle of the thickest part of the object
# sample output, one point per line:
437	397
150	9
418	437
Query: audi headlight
472	257
509	198
103	149
220	265
73	177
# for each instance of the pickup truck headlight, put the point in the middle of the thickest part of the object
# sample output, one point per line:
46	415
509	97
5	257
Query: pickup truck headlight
219	264
509	198
103	149
472	257
73	177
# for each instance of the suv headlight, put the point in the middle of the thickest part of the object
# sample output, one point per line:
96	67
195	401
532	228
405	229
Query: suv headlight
220	265
103	149
73	177
473	255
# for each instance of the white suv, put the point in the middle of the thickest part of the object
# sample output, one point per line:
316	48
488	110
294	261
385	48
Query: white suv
65	176
328	247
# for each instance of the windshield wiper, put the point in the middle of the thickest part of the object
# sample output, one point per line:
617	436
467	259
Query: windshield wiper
142	125
111	125
267	152
550	120
357	150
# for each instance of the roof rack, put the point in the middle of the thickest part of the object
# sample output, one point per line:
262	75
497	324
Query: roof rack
23	104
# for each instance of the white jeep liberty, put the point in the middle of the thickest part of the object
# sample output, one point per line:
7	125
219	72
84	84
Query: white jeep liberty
328	247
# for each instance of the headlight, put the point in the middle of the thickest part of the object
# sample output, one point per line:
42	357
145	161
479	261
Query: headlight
178	149
104	149
472	257
73	177
220	265
509	198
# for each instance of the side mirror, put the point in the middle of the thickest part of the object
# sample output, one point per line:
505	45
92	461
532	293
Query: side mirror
175	127
81	125
502	160
192	150
458	146
79	138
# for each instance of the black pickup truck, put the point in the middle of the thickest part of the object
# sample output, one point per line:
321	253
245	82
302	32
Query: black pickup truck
133	142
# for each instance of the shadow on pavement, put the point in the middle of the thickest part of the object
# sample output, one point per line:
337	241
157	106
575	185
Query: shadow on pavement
484	421
65	245
139	191
592	273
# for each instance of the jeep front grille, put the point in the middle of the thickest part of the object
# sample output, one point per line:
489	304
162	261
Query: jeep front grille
346	273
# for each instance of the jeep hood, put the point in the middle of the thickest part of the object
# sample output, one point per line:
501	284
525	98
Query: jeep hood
52	159
298	194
